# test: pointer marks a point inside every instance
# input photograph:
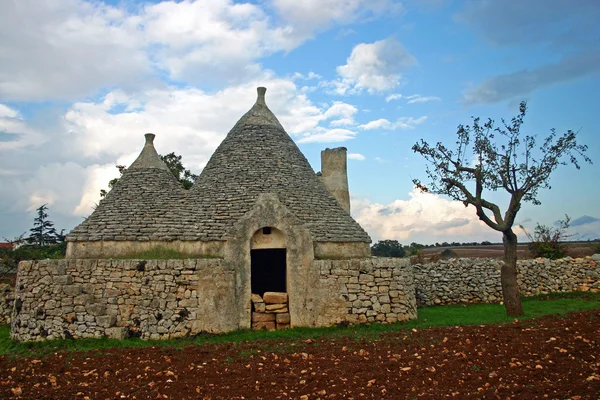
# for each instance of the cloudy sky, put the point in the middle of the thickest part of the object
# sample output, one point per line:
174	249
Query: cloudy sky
82	81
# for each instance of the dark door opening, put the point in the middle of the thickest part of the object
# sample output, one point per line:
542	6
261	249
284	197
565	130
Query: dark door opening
268	271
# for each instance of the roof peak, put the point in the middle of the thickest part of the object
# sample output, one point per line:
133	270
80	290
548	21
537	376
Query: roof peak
259	114
261	90
149	157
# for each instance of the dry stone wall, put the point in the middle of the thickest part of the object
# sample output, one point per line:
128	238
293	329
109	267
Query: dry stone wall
7	297
476	280
115	298
373	289
175	298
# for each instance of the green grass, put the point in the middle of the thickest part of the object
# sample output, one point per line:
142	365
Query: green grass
437	316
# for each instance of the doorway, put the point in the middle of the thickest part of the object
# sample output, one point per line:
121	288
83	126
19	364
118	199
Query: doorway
268	271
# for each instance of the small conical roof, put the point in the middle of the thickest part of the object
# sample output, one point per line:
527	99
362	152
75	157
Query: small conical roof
149	157
147	203
258	156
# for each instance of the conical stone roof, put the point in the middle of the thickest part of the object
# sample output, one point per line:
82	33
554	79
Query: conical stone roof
147	203
258	156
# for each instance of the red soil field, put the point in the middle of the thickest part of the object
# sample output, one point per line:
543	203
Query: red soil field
552	357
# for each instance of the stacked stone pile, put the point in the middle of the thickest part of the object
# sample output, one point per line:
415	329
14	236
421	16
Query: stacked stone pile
270	311
7	298
374	289
477	280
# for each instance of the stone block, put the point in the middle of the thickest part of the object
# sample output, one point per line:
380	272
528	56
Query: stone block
117	332
83	300
87	288
96	309
384	299
106	321
264	325
62	279
283	318
72	290
274	307
256	298
260	317
259	307
70	317
275	297
57	269
283	326
188	303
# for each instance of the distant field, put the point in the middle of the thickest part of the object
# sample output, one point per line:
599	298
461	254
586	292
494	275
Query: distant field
576	249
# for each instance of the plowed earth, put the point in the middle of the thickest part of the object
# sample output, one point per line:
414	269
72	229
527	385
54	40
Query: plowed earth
557	358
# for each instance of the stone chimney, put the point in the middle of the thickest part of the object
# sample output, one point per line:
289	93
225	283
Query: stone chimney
334	175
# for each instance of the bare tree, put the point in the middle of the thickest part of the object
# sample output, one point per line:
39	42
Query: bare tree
489	158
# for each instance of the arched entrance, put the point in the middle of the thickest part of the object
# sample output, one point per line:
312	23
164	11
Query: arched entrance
268	279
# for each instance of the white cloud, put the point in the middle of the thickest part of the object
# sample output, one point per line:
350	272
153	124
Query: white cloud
342	122
423	218
307	17
87	46
7	112
15	133
340	109
65	49
394	96
191	37
356	156
408	122
414	98
417	98
401	123
190	120
310	76
374	67
324	135
381	123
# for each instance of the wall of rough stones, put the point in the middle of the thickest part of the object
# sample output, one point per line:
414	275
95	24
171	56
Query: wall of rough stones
114	298
7	297
476	280
174	298
373	289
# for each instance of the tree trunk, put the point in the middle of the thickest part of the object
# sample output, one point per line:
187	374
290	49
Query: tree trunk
508	276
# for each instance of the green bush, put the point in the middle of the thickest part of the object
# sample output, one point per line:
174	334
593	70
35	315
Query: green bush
10	258
388	248
547	242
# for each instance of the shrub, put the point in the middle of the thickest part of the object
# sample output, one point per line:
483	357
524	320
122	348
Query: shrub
388	248
448	253
546	242
10	258
417	258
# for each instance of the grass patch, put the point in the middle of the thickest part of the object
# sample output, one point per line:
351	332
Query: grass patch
436	316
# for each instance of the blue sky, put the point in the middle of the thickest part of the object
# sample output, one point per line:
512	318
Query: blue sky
82	81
